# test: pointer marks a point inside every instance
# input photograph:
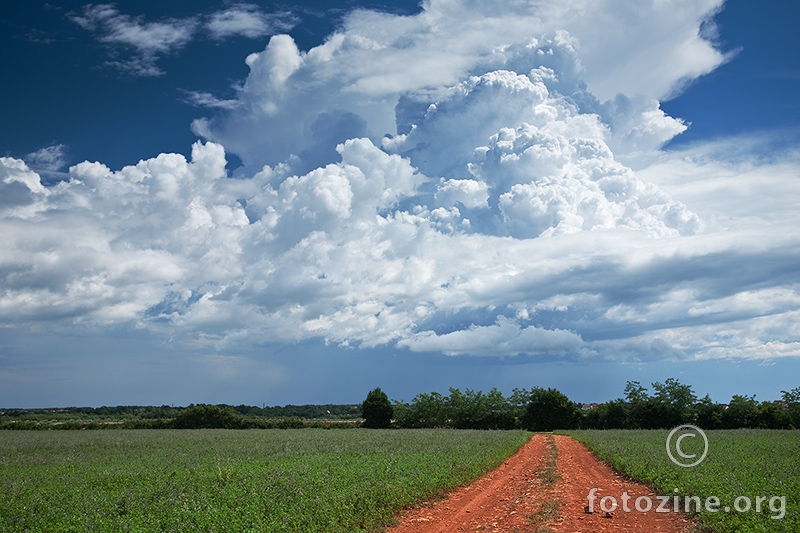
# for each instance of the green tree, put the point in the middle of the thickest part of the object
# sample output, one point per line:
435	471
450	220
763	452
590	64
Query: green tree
468	410
427	410
709	414
377	410
772	416
643	410
518	404
550	409
401	414
742	412
673	404
609	415
792	399
676	402
501	413
635	392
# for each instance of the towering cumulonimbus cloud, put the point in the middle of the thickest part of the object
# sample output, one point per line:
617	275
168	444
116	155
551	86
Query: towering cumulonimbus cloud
546	163
349	86
456	181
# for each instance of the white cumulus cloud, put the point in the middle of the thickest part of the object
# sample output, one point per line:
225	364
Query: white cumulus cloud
456	181
363	69
246	20
147	41
503	338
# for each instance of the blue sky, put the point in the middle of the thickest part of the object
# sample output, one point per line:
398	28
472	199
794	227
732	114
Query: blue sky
269	203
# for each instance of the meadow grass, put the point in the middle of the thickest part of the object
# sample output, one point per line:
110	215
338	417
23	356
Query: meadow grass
303	480
749	463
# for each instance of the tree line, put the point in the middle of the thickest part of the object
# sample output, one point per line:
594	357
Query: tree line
201	416
198	416
140	412
668	405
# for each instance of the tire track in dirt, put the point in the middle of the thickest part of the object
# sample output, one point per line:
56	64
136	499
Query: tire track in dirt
499	501
517	498
580	471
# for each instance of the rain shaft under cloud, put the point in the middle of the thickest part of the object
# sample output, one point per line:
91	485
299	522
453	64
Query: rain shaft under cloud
458	181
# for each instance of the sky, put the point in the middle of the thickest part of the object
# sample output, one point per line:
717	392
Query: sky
274	203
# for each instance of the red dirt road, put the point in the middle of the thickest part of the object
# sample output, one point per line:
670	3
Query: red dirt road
520	497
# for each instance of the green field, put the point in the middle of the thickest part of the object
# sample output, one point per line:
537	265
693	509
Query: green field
740	463
225	480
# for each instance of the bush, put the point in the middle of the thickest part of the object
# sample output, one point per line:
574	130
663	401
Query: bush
205	416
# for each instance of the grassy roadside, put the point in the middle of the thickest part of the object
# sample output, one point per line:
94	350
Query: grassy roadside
740	464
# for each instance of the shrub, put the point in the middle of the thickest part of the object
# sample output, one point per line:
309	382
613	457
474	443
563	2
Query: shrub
204	416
